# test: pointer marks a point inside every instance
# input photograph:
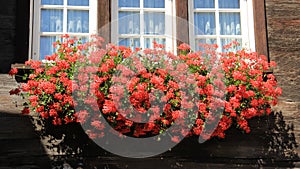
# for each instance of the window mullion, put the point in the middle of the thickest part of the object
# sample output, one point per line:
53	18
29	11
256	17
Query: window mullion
142	39
218	29
65	17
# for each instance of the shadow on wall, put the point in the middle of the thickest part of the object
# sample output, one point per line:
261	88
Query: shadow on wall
271	143
20	145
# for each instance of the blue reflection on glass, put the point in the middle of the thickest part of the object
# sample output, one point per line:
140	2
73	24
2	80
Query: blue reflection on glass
78	21
52	2
229	3
46	47
130	42
129	23
204	3
78	2
205	23
230	23
149	42
154	3
51	20
129	3
154	23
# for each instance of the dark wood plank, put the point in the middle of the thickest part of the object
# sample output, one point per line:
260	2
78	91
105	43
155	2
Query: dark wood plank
260	29
104	18
182	25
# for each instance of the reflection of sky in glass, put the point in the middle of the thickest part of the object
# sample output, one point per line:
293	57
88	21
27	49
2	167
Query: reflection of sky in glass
129	3
154	23
51	20
204	41
130	42
78	21
154	3
204	3
52	2
78	2
230	23
46	47
229	3
129	23
205	23
149	42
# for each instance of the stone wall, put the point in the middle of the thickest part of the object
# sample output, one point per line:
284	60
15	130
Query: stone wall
7	34
283	24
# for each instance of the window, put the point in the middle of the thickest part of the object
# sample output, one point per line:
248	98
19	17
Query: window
53	18
137	23
220	22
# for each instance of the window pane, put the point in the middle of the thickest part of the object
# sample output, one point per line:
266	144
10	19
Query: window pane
78	2
154	23
149	42
78	21
129	23
229	40
204	3
154	3
230	23
52	2
204	41
51	20
129	3
46	47
130	42
205	23
229	3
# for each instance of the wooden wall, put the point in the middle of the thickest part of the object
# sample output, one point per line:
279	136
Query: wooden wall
7	33
283	24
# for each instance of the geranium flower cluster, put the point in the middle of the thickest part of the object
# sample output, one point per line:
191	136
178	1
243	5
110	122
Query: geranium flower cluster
142	93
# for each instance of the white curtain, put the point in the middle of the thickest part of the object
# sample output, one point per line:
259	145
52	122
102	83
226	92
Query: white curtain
52	2
78	21
129	3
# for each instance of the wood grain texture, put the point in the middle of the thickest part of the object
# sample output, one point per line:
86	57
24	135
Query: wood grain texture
104	19
182	25
260	29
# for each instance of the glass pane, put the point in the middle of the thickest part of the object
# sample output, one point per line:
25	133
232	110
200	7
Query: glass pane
129	3
130	42
52	2
204	41
129	23
46	47
78	2
154	3
230	23
229	40
51	20
154	23
205	23
149	42
229	3
78	21
204	3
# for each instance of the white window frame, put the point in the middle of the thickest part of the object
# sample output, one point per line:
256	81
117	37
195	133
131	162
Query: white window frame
35	19
247	24
170	24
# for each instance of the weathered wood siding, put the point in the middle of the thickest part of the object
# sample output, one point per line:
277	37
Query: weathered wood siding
283	24
7	33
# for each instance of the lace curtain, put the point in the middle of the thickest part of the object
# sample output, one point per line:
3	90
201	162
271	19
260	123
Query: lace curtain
52	22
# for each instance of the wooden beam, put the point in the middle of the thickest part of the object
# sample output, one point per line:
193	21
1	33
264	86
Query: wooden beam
104	19
182	25
260	27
